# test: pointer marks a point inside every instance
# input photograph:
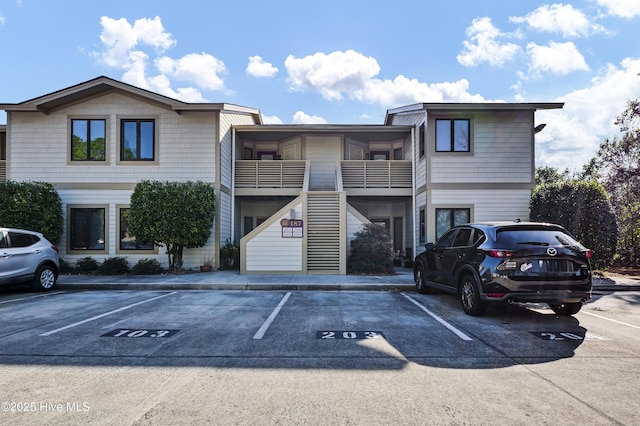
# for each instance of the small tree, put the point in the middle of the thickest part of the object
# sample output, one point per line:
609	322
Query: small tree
583	208
371	251
35	206
177	215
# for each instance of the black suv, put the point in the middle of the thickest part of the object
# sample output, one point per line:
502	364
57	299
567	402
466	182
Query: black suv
507	262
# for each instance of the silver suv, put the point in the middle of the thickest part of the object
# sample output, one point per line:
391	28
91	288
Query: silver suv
27	256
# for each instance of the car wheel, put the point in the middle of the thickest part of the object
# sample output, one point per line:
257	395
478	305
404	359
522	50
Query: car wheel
470	298
419	278
44	279
566	309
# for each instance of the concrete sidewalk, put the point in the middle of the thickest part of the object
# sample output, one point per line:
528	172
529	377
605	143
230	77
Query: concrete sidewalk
232	280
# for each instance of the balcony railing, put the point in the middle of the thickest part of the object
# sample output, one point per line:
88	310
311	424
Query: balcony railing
376	174
270	174
3	170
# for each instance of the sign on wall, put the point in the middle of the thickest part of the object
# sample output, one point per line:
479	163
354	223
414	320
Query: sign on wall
292	228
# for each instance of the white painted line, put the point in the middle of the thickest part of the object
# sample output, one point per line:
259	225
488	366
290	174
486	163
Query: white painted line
263	329
609	319
48	333
31	297
458	333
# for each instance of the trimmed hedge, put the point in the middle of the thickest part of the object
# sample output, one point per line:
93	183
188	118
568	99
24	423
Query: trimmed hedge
583	208
34	206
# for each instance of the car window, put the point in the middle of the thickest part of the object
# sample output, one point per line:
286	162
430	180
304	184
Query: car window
22	240
478	237
534	237
446	240
3	240
462	237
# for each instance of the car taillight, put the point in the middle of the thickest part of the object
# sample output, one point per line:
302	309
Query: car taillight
587	254
55	248
500	253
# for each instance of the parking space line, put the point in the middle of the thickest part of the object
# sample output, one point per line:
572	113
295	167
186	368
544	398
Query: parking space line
458	333
32	297
48	333
265	326
609	319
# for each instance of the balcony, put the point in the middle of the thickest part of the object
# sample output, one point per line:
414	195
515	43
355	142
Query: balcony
271	177
3	170
376	177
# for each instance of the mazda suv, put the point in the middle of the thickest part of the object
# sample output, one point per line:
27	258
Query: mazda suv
507	262
27	256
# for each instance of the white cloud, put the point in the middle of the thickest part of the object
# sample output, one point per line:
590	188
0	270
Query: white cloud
257	67
622	8
201	69
573	134
271	119
483	46
128	47
302	118
558	18
351	74
2	20
332	74
557	58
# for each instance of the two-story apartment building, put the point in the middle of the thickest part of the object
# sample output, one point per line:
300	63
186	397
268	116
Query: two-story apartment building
292	196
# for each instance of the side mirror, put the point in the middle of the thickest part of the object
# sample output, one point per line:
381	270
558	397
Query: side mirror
428	246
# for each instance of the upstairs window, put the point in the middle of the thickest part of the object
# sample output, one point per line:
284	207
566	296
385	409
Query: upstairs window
453	135
88	140
137	140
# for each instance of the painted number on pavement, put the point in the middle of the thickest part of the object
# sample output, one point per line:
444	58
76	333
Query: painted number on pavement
357	335
557	335
123	332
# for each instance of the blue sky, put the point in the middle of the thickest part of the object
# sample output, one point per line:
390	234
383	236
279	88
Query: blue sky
342	62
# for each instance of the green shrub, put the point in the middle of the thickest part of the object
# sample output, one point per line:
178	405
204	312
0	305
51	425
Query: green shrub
66	267
87	265
371	251
35	206
583	208
114	266
147	267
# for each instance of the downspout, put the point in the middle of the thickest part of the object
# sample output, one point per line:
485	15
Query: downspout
413	192
233	182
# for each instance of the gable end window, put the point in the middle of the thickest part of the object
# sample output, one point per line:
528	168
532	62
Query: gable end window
88	140
137	140
453	135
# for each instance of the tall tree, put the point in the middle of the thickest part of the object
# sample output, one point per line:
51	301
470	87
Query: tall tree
618	162
177	215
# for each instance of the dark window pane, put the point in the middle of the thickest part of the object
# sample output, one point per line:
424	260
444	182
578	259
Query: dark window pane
97	140
128	241
461	135
130	140
79	137
443	135
22	240
146	140
87	229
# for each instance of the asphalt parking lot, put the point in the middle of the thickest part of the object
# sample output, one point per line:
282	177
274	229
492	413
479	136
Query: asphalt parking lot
584	367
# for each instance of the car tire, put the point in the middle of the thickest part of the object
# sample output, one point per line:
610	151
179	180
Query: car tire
420	280
470	297
45	278
566	309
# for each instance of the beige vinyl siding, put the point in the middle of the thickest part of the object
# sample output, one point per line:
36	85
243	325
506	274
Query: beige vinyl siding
40	144
502	151
489	204
227	120
260	253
